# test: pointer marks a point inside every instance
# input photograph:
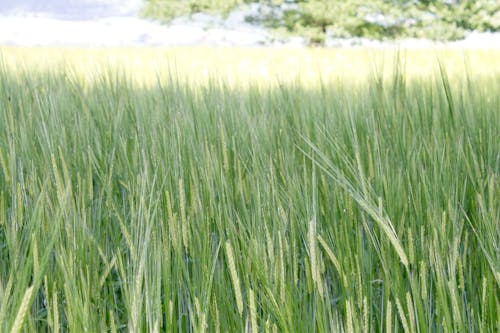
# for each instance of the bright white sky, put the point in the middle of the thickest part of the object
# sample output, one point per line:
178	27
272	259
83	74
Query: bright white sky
102	23
70	9
76	22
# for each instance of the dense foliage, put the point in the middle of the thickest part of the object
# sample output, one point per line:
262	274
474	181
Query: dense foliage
317	19
249	207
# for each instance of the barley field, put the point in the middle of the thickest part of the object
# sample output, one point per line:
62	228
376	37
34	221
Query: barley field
249	190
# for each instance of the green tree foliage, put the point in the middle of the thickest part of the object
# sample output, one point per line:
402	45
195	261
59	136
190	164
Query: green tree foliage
317	19
166	10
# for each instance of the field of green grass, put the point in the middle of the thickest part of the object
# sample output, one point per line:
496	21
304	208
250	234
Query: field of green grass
249	190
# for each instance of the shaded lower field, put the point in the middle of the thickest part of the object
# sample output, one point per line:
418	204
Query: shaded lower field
249	190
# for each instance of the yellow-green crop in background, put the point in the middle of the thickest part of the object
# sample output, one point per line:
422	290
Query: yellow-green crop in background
244	66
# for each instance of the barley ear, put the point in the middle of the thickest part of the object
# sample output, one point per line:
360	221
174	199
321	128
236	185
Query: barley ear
234	277
388	317
23	310
253	312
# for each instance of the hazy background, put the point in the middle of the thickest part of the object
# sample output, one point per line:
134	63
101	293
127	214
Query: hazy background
262	23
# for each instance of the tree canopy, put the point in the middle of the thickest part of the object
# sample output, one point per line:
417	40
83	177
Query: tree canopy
378	19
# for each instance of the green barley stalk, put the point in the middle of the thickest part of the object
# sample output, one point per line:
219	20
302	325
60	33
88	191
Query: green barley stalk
55	311
315	269
349	318
184	225
388	317
217	317
253	311
365	203
234	277
172	223
330	254
112	323
23	310
402	316
423	280
281	268
411	312
6	292
366	327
